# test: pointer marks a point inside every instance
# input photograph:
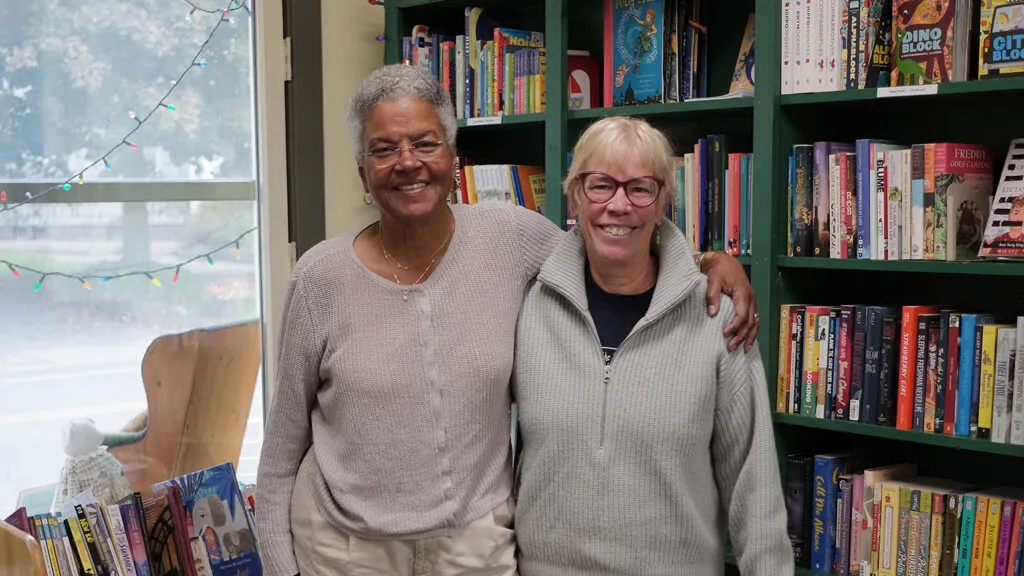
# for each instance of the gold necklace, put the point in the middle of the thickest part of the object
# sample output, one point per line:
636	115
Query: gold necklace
433	258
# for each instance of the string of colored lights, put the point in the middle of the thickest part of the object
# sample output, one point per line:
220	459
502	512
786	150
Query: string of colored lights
18	270
140	121
197	8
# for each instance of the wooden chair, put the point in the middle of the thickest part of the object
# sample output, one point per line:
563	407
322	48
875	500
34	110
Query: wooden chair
199	390
20	554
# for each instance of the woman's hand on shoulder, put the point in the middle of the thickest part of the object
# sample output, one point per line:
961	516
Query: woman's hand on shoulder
727	276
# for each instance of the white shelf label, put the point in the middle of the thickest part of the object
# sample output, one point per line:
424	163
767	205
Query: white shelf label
484	121
922	90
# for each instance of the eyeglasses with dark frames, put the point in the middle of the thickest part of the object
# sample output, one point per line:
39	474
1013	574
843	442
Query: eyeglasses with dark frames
384	155
600	188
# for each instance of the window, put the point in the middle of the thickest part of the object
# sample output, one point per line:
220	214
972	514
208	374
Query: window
145	109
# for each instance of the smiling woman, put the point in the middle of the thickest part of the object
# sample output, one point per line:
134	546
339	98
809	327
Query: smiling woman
390	431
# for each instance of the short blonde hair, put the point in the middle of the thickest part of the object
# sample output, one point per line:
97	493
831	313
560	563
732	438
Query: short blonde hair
607	141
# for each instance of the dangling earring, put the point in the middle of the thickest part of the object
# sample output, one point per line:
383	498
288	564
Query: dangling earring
657	235
367	199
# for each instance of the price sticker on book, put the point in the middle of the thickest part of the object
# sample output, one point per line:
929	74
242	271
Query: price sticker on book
484	121
922	90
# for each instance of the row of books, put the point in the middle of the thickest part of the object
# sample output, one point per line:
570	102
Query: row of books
713	191
488	69
849	517
516	184
713	196
655	51
199	524
923	368
882	200
830	45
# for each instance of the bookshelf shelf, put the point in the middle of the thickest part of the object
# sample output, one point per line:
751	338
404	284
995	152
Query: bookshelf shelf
890	433
977	268
681	108
989	87
497	122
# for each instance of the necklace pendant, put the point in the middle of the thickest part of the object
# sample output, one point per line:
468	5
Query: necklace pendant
405	297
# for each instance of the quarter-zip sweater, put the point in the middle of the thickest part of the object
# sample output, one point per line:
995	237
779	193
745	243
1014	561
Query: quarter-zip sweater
647	464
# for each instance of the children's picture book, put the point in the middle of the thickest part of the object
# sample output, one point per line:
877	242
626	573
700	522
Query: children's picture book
1004	237
743	72
1001	37
922	44
635	29
219	521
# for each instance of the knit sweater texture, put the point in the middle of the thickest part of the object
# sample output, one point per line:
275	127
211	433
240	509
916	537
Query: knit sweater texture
404	402
645	465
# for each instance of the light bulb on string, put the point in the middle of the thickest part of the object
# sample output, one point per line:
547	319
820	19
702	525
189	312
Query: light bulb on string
134	116
133	145
85	284
189	15
66	186
106	164
154	280
81	179
209	259
176	273
28	195
39	283
201	63
168	106
238	251
14	271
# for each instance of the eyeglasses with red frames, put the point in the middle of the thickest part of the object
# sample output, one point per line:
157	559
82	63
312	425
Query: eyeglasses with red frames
600	188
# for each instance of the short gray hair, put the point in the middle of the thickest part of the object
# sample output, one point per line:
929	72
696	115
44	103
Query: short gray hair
391	83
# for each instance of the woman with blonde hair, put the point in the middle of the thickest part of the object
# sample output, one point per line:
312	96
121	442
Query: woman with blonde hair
387	447
645	441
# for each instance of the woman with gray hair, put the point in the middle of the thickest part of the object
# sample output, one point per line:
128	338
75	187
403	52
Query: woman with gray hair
387	448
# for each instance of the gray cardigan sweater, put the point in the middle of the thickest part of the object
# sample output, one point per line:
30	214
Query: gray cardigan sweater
643	466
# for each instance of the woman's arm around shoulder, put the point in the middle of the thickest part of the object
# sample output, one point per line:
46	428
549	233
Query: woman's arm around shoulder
746	464
288	435
536	236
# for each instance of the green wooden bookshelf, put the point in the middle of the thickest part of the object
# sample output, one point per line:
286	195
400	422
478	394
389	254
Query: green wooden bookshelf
769	124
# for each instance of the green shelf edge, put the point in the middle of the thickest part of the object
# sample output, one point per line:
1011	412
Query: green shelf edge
745	260
990	85
676	108
505	120
974	267
861	429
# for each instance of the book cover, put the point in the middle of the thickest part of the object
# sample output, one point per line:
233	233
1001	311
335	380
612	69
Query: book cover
213	501
637	44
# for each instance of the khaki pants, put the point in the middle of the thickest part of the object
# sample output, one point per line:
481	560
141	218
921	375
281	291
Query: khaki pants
484	547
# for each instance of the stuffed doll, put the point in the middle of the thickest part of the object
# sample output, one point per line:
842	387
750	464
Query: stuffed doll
89	466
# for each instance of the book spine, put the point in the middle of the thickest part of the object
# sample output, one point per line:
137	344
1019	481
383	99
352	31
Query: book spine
784	348
986	388
888	365
968	503
845	366
796	358
1017	408
931	371
908	358
952	373
920	369
860	329
857	525
940	371
872	356
1006	352
841	563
